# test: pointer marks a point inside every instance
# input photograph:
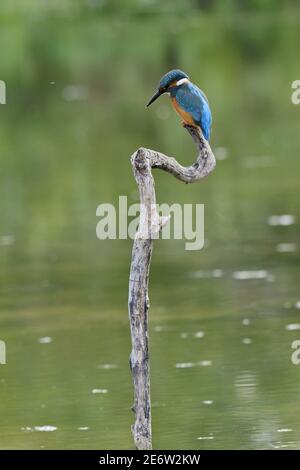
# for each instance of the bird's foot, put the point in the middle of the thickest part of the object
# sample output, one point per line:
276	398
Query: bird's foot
193	129
188	125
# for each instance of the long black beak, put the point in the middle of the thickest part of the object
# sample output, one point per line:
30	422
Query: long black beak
154	97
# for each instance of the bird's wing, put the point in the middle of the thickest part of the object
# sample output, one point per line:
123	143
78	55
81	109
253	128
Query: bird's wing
194	101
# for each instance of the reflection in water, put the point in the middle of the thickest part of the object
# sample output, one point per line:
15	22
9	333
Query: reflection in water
247	340
293	326
45	340
188	365
285	219
286	247
107	366
45	428
199	334
215	273
245	384
246	275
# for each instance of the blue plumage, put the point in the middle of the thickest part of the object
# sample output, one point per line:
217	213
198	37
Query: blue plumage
188	100
193	101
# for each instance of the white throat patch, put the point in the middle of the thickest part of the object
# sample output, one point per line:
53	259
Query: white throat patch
182	81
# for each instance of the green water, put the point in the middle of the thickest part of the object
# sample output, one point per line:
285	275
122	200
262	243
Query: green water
221	370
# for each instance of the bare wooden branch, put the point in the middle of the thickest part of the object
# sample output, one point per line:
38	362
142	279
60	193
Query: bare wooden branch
138	302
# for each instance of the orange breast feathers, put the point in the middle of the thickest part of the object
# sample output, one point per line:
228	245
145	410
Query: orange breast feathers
187	118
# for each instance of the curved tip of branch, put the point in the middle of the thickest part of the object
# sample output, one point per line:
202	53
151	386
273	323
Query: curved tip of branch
139	159
202	144
137	154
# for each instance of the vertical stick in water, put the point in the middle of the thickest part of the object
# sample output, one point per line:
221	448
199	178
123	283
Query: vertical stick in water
138	302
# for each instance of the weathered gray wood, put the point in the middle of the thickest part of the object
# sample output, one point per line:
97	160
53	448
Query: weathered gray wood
138	302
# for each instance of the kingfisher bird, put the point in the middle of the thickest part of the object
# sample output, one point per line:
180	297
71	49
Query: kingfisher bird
188	100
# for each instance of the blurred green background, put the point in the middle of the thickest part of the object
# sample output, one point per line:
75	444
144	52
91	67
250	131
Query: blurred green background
222	320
